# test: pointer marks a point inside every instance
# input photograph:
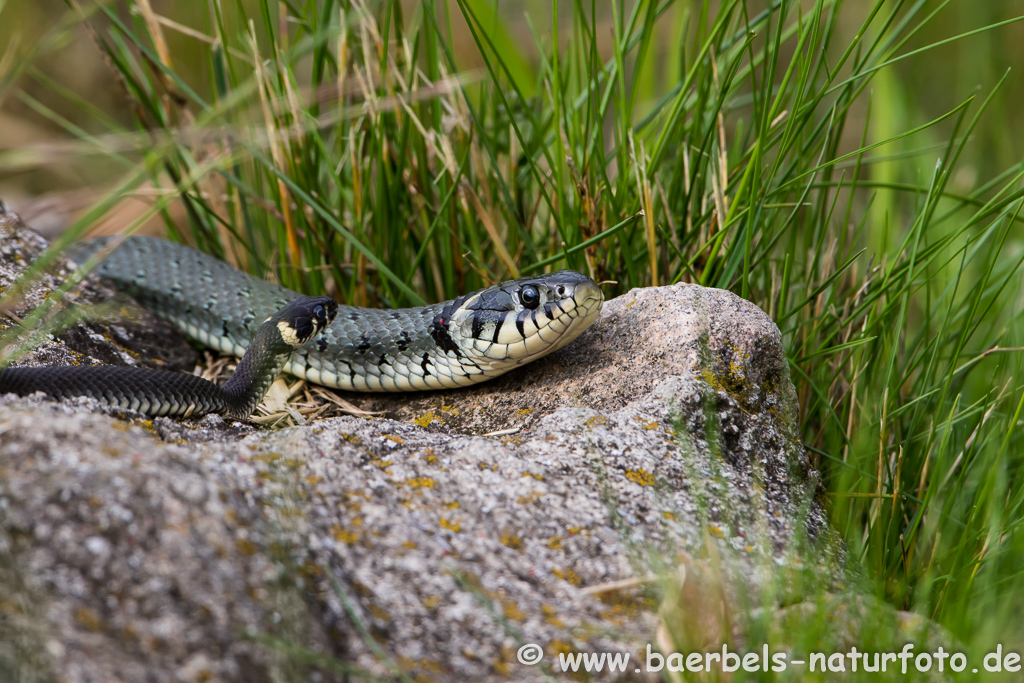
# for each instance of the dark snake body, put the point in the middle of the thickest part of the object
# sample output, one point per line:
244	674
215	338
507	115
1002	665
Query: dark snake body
175	394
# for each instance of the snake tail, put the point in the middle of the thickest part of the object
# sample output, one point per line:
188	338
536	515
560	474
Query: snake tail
174	394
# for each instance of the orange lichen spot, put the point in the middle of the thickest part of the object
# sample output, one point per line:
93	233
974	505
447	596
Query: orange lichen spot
450	525
538	477
597	420
452	504
393	438
419	483
555	543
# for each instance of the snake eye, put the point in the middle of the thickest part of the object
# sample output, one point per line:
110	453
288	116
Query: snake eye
529	296
320	314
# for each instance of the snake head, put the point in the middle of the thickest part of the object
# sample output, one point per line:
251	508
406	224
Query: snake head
521	320
305	318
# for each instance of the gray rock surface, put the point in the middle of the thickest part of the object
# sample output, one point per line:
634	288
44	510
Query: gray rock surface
189	551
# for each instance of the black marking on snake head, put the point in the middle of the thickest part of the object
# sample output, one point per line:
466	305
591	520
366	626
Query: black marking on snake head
520	319
497	329
549	311
478	324
439	326
423	364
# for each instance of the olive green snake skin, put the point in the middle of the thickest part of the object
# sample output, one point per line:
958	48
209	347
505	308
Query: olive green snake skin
455	343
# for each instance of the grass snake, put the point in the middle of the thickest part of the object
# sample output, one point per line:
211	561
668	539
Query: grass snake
454	343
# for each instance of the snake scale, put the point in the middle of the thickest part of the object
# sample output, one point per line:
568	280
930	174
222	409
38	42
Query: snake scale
455	343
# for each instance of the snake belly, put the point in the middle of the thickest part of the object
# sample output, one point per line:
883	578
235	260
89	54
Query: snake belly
455	343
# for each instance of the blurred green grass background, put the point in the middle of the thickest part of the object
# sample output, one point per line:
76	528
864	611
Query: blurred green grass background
856	173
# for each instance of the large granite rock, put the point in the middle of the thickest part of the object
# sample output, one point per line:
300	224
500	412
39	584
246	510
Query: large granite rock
416	542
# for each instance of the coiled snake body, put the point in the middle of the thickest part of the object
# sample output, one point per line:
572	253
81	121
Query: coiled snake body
455	343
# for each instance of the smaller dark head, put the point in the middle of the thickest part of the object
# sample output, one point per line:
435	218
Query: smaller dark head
304	318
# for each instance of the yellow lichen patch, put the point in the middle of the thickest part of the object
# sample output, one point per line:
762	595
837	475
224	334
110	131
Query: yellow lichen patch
352	439
648	424
538	477
511	541
716	531
522	412
450	525
559	647
431	602
597	420
530	498
418	483
245	546
313	479
641	477
568	575
88	619
344	535
551	617
512	610
668	515
426	418
378	613
110	451
452	504
392	437
555	543
410	545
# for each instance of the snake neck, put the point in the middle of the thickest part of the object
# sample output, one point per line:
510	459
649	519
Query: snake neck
255	372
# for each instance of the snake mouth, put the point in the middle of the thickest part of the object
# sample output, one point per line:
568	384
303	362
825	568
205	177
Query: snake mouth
589	298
